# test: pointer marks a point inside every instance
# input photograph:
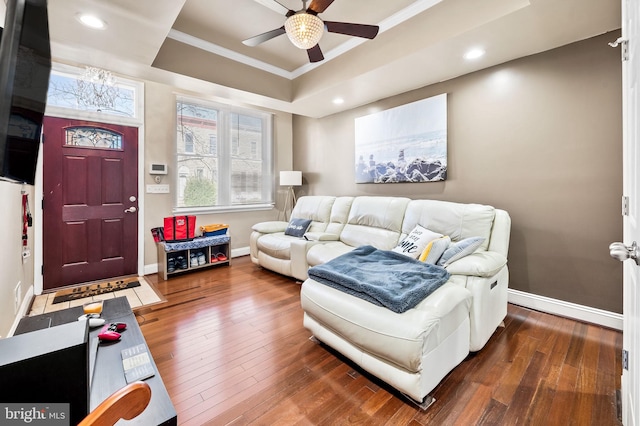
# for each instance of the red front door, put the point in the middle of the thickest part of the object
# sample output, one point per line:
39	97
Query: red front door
90	218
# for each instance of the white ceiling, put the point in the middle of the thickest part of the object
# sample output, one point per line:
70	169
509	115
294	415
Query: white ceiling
421	42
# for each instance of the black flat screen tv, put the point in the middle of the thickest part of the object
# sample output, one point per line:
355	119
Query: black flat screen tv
25	67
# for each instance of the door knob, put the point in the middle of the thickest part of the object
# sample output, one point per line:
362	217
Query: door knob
622	252
130	210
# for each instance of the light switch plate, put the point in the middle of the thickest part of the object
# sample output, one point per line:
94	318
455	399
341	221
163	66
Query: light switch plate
158	189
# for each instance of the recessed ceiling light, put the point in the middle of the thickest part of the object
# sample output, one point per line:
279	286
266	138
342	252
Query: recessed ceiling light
474	54
91	21
338	101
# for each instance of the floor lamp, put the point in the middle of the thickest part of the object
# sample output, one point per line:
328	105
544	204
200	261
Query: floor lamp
290	179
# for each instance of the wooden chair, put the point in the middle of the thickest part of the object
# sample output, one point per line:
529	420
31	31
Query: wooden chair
125	403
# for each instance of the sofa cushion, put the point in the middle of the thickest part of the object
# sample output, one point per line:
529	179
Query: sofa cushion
314	207
375	221
276	245
322	253
417	240
297	227
457	220
339	215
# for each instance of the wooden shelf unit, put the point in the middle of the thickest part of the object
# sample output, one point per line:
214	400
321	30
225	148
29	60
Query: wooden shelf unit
210	249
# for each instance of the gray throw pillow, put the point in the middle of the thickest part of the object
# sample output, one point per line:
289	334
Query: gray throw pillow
460	249
297	227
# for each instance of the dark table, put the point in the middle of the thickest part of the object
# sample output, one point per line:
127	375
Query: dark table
108	372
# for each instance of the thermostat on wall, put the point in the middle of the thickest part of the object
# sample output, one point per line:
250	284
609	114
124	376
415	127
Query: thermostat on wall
158	169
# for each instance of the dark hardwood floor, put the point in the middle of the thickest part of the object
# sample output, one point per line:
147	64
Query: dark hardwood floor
231	349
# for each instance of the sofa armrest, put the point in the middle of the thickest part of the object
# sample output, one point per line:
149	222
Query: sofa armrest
480	264
270	227
321	236
299	263
445	299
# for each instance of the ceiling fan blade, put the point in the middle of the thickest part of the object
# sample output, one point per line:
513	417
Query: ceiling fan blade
254	41
275	6
319	6
357	30
315	54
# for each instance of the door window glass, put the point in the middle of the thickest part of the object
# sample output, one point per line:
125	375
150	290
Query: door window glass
92	137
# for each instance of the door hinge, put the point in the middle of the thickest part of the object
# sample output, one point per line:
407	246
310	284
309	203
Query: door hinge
625	359
42	270
624	48
625	206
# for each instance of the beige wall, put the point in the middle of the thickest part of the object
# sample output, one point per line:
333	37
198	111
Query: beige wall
12	269
539	137
160	147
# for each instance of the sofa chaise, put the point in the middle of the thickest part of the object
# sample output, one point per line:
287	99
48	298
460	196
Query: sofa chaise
415	349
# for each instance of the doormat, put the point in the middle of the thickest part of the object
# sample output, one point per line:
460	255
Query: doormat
92	290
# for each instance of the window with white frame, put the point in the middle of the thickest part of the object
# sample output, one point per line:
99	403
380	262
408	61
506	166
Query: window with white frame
224	155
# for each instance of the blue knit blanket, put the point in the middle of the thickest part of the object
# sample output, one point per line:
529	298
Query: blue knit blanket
382	277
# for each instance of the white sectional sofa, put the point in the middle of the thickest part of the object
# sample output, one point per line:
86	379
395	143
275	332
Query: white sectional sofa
413	350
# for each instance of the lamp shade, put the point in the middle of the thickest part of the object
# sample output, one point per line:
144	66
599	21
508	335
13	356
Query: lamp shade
290	178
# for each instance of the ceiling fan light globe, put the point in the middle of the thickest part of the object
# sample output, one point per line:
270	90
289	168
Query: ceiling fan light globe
304	30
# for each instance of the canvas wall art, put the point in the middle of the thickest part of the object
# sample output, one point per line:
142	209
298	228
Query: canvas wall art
403	144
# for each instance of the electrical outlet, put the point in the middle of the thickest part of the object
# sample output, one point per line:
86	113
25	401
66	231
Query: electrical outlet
17	298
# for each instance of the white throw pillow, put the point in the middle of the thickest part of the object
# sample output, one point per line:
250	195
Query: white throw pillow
460	249
416	241
435	249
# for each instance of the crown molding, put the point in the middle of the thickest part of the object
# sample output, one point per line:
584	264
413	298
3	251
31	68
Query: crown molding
386	24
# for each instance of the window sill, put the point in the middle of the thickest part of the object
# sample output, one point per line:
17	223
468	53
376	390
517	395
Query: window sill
223	209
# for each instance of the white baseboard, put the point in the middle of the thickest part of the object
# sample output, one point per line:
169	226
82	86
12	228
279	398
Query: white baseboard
153	268
150	269
23	311
566	309
242	251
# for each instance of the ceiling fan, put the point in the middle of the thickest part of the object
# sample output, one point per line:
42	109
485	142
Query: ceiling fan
304	28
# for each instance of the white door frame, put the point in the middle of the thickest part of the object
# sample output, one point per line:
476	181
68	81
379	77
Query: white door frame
38	234
630	393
